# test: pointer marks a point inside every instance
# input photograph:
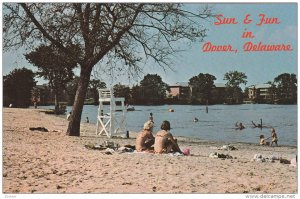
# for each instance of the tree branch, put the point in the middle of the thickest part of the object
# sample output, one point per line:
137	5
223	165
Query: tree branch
117	39
44	32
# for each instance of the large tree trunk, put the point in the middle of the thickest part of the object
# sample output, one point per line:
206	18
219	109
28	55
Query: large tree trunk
74	124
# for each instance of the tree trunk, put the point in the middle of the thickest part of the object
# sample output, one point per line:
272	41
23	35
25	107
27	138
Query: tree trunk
74	124
56	109
96	96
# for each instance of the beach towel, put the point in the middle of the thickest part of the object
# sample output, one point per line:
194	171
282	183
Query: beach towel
260	158
43	129
176	154
220	155
228	147
293	162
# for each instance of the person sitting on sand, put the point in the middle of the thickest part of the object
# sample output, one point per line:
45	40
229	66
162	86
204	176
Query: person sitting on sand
145	138
164	141
262	140
239	126
274	137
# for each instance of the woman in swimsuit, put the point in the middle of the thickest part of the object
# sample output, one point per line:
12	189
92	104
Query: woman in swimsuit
145	139
164	141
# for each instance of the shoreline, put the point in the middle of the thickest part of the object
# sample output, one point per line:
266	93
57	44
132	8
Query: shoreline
180	138
52	162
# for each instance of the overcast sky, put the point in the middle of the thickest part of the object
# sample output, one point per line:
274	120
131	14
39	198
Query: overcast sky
260	67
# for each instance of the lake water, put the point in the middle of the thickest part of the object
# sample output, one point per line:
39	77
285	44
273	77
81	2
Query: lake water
218	124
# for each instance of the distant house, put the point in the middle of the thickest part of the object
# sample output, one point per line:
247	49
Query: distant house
180	91
183	92
259	92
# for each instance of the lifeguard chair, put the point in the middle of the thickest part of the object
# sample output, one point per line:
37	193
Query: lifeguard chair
111	119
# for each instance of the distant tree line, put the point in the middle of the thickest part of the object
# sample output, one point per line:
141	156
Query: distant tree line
19	89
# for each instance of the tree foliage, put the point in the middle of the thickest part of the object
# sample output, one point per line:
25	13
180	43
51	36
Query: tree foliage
286	86
235	78
153	89
108	33
122	91
53	65
17	88
136	97
233	89
202	86
94	85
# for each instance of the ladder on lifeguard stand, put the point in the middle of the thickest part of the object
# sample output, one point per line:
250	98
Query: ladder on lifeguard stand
112	120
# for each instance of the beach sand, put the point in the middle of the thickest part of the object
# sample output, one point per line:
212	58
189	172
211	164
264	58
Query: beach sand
52	162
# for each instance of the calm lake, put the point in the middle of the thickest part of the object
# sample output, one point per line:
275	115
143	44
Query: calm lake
218	124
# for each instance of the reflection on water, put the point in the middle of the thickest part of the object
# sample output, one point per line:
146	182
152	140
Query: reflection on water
218	124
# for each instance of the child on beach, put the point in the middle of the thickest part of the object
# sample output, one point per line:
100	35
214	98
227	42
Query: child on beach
274	137
164	141
262	140
145	139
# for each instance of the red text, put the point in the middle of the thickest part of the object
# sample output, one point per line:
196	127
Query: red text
265	20
209	47
221	20
249	46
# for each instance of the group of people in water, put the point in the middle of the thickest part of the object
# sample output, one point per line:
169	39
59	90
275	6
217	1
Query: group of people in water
163	142
240	126
262	139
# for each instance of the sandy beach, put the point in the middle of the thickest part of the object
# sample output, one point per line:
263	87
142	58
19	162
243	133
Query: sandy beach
52	162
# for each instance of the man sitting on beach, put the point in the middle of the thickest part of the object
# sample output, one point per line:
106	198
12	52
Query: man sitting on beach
145	139
164	141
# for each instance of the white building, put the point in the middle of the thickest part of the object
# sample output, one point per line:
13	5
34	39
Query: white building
259	91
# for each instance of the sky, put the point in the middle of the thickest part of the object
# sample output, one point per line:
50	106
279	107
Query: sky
260	67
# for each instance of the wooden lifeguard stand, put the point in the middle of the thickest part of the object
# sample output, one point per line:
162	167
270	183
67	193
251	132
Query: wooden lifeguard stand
111	119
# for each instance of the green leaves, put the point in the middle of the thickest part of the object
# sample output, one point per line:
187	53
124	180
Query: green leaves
17	87
233	89
202	86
